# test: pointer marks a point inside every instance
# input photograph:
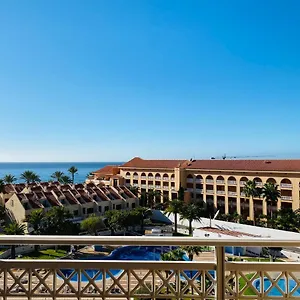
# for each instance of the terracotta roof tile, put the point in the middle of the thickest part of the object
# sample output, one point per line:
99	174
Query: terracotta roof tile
138	162
107	170
248	165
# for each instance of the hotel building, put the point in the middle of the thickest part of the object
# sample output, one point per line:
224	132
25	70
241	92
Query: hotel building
218	183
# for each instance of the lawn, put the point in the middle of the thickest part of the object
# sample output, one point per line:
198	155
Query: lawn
46	254
249	291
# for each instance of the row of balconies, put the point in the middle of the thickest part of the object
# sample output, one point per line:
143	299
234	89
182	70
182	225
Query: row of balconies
150	178
233	182
230	193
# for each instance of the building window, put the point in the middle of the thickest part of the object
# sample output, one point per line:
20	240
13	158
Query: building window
127	205
83	211
119	206
99	208
90	210
133	205
75	213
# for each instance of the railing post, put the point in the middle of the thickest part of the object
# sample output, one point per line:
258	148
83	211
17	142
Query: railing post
220	258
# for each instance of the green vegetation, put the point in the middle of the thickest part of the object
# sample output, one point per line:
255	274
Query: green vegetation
30	177
14	228
92	224
242	282
46	254
73	170
9	179
175	207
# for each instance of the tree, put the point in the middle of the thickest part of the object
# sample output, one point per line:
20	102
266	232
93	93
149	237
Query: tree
58	221
142	214
92	224
271	194
134	190
57	175
2	186
2	212
191	212
9	179
192	250
151	196
73	170
112	220
251	190
14	228
175	207
174	255
65	179
35	219
30	177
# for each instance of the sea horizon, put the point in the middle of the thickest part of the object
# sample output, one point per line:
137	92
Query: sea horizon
46	169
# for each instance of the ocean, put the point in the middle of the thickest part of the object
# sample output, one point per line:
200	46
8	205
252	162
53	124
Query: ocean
44	170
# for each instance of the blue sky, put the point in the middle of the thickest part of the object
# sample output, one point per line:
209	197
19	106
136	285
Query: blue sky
109	80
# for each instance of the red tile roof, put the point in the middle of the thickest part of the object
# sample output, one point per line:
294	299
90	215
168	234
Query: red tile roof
247	165
138	162
107	170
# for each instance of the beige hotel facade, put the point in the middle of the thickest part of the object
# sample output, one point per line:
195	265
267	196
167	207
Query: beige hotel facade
218	183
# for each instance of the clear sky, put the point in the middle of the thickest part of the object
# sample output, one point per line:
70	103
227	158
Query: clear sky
112	79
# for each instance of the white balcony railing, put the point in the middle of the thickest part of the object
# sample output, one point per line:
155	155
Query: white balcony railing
209	181
221	192
150	186
135	185
166	188
243	194
190	189
199	180
258	183
172	178
143	186
157	187
157	178
286	185
286	198
150	177
209	191
144	177
127	176
165	178
242	183
118	279
232	193
173	188
135	177
199	191
190	180
220	181
231	182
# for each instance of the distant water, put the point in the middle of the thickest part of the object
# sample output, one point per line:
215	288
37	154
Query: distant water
44	170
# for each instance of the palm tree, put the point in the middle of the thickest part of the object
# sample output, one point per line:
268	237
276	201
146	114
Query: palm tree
14	229
142	213
73	170
191	212
174	255
9	178
35	219
57	175
251	190
151	196
175	207
30	177
65	179
271	194
2	186
134	190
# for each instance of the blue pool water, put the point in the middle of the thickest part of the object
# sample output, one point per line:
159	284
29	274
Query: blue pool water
275	291
122	253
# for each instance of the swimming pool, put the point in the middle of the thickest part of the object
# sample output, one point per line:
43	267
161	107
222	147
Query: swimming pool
122	253
277	291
